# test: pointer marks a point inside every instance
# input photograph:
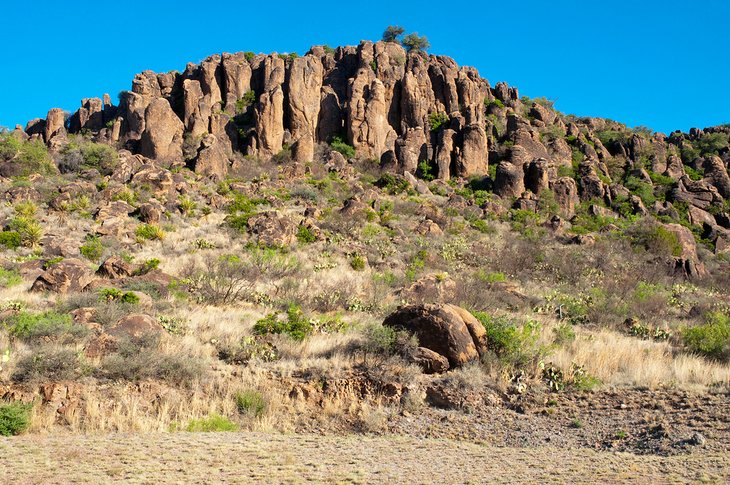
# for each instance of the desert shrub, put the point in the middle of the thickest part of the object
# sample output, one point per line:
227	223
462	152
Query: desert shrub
564	334
83	154
92	249
222	280
393	184
247	349
149	232
186	205
47	364
10	239
711	339
338	145
251	402
149	265
248	99
31	155
14	418
9	278
117	295
305	235
140	358
213	423
437	120
47	325
513	344
426	170
712	143
240	210
655	238
174	325
296	325
357	262
644	190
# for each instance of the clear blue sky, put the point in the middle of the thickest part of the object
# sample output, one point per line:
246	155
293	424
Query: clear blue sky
663	64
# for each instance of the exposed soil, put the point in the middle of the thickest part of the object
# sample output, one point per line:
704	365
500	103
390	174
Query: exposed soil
267	458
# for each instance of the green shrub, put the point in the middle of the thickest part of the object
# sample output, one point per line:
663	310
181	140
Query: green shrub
711	339
14	418
415	42
10	239
338	145
9	278
248	99
514	345
296	325
92	249
644	190
213	423
393	184
81	154
656	239
305	235
31	155
357	262
392	33
50	324
426	170
437	120
115	294
251	402
149	232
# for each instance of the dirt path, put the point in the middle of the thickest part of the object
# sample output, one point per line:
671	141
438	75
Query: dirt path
266	458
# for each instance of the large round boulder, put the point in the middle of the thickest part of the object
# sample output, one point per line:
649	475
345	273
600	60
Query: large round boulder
448	330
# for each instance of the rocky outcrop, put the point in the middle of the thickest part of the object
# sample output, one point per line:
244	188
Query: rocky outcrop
163	135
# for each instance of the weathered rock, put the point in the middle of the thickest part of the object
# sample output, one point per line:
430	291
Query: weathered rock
273	229
158	179
212	160
55	121
510	180
686	262
566	195
67	276
717	174
135	326
430	361
115	267
163	135
445	329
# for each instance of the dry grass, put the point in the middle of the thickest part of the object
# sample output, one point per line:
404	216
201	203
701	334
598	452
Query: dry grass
621	360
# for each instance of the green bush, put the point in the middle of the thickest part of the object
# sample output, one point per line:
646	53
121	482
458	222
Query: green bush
31	155
392	33
644	190
81	154
247	100
251	402
415	42
426	170
10	239
338	145
357	262
115	294
305	235
50	324
14	418
213	423
656	239
27	228
437	120
296	325
711	339
514	345
393	184
92	249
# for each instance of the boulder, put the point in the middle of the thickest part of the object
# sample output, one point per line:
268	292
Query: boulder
114	268
439	288
273	229
447	330
67	276
686	262
509	180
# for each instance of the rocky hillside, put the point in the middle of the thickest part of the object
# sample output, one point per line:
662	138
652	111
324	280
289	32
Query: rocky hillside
363	239
411	113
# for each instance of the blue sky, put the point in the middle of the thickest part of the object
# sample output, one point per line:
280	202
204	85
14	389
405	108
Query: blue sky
663	64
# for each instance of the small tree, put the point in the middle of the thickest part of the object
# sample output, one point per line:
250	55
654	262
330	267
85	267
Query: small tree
392	33
414	42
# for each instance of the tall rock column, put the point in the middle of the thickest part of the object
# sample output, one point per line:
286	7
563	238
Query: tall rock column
305	85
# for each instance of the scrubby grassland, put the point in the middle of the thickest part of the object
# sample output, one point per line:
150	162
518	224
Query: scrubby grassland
144	302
